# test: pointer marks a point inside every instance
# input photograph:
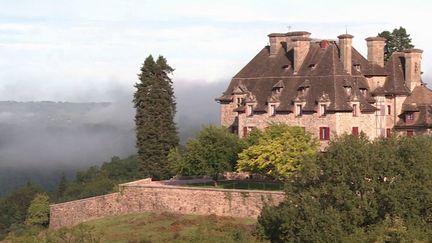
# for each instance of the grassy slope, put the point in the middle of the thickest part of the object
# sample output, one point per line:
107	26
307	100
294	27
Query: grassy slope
167	227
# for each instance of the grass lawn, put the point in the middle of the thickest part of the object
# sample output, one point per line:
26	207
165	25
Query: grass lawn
247	185
151	227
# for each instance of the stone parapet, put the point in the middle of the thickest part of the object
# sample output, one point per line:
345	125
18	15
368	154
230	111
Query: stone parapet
156	197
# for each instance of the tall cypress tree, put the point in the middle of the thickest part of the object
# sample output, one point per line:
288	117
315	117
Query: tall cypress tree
155	110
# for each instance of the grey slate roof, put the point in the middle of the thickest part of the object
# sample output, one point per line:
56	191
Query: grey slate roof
322	71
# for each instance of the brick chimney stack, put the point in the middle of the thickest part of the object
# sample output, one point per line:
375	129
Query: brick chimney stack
300	42
413	67
375	53
277	41
345	46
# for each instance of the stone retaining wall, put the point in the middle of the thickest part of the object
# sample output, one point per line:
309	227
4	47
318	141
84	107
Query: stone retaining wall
149	197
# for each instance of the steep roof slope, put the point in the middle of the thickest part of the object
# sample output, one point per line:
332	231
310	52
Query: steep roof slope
322	72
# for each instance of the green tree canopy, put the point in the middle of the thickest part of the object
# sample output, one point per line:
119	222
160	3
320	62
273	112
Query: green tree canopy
13	208
397	40
213	151
358	191
277	151
38	211
155	110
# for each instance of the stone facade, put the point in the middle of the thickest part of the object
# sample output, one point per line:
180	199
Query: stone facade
327	85
145	196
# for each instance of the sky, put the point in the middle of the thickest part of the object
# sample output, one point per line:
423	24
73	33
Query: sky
91	50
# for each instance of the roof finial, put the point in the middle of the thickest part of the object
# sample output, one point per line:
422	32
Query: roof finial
289	28
346	29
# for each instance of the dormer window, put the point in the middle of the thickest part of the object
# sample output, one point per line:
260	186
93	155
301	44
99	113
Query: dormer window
322	109
355	110
239	101
298	110
272	110
409	117
312	66
348	90
277	90
363	91
249	110
357	67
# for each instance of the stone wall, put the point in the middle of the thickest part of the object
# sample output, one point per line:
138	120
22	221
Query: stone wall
153	197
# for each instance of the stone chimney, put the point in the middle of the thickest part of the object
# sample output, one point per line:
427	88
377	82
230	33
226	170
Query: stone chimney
295	34
413	67
300	45
375	53
345	46
277	42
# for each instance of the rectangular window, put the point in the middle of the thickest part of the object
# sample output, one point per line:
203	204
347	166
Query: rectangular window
323	110
250	110
245	131
234	129
388	133
388	110
409	117
354	109
272	110
298	110
324	133
355	131
239	101
409	133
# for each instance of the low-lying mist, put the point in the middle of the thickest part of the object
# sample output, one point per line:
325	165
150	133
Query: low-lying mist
43	139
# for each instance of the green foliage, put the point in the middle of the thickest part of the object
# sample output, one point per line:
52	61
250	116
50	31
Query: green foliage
13	208
278	151
397	40
38	211
155	110
212	152
358	190
98	181
62	185
151	227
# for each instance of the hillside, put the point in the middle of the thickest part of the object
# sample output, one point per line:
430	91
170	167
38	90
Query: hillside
151	227
40	140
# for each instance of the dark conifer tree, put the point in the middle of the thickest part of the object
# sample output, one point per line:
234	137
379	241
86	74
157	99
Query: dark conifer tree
155	110
397	40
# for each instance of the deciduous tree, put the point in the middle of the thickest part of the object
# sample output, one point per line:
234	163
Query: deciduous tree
358	191
213	151
38	211
278	151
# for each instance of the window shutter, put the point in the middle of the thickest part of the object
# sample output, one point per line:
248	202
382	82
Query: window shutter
355	131
388	133
328	133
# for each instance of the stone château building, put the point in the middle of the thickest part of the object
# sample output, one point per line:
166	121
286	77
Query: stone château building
329	88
